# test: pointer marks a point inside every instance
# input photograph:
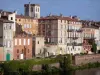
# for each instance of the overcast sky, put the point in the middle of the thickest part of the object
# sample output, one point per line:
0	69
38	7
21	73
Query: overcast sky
85	9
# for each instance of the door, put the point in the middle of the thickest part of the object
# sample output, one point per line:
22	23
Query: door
7	56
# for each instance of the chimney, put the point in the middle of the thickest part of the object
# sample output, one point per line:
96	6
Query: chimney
61	15
74	17
15	12
71	16
50	14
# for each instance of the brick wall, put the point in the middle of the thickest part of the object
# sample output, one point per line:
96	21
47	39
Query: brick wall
1	54
26	50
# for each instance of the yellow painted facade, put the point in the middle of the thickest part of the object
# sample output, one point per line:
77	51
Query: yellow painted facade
29	25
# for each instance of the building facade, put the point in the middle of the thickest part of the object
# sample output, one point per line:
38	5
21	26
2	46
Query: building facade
22	47
9	16
57	30
6	38
29	25
32	10
38	46
1	54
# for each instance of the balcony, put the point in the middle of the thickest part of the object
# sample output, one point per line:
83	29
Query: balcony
80	30
74	38
74	44
89	38
70	30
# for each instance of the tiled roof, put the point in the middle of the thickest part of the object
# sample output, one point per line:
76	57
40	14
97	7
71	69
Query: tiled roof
58	17
22	34
90	24
5	21
32	4
25	17
5	13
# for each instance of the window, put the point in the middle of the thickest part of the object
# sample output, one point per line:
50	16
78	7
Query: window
78	48
61	21
10	44
19	41
28	50
22	51
75	49
65	21
48	26
24	25
31	9
5	35
38	42
61	40
28	41
38	9
61	33
15	41
30	26
36	15
24	41
4	28
19	19
10	26
61	26
40	51
11	18
71	49
17	50
68	48
27	26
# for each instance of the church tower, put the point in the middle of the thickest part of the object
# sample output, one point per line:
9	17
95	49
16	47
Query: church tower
32	10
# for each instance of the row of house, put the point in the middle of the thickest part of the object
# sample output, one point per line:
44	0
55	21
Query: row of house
27	36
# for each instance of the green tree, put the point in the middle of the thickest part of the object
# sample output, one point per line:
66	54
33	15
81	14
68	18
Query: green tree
94	47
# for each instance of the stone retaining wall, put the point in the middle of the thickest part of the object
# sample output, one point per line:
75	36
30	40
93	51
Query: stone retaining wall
39	67
84	59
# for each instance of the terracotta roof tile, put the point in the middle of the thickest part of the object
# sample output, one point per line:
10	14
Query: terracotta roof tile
5	21
57	18
31	5
25	17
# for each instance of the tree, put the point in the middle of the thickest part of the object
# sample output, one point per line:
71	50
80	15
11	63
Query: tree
94	47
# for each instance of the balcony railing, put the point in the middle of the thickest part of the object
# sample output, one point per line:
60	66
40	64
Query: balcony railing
80	30
89	38
70	30
74	44
74	38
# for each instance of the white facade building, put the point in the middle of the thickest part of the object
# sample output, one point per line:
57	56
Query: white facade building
38	45
97	37
6	40
63	31
74	38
